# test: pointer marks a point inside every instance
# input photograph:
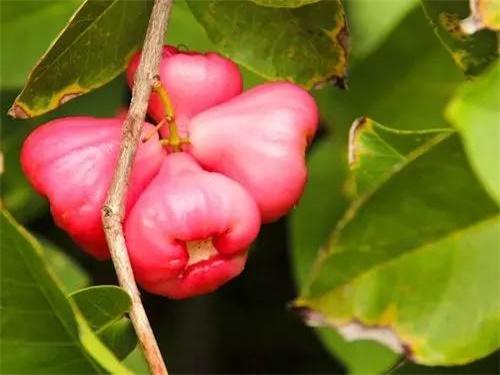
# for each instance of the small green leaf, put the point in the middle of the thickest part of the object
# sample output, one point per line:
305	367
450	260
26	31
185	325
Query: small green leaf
102	305
485	14
325	199
53	337
412	262
284	3
120	337
375	150
93	49
475	112
306	45
472	53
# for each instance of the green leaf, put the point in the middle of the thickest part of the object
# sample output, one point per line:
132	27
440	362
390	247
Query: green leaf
369	31
120	337
412	263
472	53
284	3
185	31
307	44
485	14
475	112
104	308
38	22
102	305
136	362
53	336
92	50
375	150
403	84
69	272
325	199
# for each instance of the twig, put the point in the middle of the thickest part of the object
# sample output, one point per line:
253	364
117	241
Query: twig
114	207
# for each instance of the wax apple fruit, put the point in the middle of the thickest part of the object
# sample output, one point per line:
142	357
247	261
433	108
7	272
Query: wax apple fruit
190	230
194	82
72	160
259	139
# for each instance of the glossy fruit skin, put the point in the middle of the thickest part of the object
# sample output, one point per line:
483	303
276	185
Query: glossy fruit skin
194	82
259	139
71	161
183	204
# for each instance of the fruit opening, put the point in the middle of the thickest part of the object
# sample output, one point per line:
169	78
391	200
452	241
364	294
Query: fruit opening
199	251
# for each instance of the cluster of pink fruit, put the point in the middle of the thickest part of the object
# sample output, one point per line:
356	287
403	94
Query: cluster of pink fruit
224	163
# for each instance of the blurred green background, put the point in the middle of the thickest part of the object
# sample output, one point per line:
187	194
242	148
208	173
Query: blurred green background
246	326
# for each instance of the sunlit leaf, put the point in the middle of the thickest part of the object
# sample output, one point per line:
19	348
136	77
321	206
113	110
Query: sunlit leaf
376	151
475	112
412	262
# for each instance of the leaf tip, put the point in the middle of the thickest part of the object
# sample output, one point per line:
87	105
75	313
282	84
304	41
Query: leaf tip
18	112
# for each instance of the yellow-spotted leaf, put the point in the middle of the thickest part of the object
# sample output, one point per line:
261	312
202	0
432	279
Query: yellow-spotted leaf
306	45
93	48
472	53
413	262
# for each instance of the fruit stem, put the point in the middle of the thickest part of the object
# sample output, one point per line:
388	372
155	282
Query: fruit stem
154	131
174	140
165	99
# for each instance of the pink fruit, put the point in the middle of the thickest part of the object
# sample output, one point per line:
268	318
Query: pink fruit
190	230
259	139
71	161
194	82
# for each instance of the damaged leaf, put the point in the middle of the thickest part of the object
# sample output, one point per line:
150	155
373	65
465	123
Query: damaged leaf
412	262
94	48
375	150
485	14
306	45
472	53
